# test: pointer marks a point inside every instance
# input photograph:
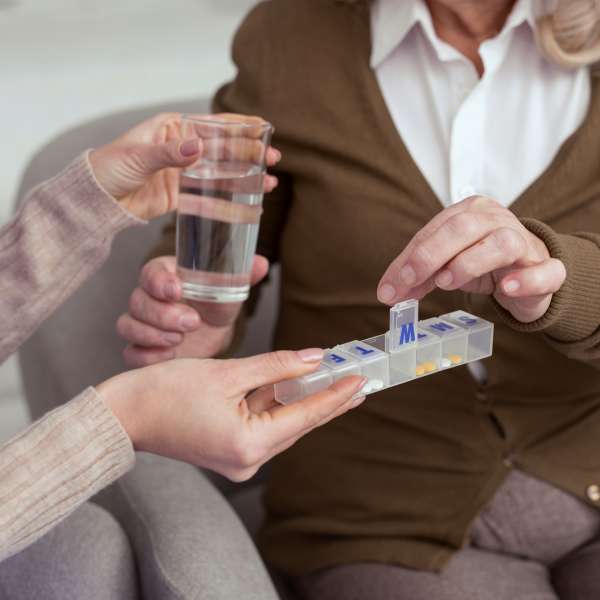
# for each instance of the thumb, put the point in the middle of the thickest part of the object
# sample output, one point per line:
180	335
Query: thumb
254	372
176	153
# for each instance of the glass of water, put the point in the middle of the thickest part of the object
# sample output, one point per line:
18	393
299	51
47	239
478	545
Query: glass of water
220	203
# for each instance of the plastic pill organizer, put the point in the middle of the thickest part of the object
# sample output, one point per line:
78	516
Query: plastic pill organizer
411	349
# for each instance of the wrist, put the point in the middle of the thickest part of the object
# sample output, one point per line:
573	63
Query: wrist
120	394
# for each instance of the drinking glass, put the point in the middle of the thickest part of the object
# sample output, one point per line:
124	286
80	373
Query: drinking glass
219	208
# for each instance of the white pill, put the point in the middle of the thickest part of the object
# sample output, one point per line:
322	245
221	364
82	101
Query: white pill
446	363
373	385
376	384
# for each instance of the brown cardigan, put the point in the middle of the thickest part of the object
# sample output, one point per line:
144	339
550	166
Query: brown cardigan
401	479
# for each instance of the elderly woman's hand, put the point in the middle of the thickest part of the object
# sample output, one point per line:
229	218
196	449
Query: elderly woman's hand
220	414
141	168
477	246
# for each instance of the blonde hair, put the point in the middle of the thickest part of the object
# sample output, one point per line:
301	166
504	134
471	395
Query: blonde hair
570	34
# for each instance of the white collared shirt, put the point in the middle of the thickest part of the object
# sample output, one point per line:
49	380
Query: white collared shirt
492	136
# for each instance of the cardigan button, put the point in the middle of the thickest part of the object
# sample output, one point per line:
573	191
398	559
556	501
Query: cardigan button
593	492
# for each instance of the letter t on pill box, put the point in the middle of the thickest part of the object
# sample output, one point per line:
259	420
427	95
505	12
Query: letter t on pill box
374	363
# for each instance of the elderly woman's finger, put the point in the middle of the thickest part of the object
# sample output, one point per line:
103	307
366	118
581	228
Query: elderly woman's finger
538	280
144	335
501	248
167	316
159	279
471	204
270	183
273	156
428	256
137	357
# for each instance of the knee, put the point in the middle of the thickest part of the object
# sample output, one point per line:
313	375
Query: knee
86	556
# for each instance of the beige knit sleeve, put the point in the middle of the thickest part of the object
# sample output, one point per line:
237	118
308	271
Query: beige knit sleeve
61	235
571	324
55	465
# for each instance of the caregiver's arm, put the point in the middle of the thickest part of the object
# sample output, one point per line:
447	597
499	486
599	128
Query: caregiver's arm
65	228
541	281
198	411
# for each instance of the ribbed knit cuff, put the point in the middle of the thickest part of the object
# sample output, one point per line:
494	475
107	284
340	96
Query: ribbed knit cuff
574	313
57	464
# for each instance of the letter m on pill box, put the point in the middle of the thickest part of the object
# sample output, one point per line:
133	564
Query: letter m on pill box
403	324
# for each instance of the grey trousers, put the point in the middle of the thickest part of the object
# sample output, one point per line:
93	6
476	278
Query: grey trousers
163	532
533	542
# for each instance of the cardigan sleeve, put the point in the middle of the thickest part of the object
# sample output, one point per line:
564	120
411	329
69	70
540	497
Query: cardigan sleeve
55	465
572	322
59	237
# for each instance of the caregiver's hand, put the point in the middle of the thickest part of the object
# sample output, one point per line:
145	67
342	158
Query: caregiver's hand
141	168
159	325
204	411
477	246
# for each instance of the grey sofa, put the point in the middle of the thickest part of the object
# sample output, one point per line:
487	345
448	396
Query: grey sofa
78	346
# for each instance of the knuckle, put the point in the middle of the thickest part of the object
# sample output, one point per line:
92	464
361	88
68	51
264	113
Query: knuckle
536	281
245	454
475	203
423	258
463	224
279	361
240	475
136	303
123	325
166	316
464	268
509	242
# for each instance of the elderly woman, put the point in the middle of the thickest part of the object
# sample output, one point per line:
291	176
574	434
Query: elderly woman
458	142
63	234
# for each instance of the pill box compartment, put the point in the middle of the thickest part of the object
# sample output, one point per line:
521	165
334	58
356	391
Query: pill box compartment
403	365
341	363
480	333
290	390
429	353
453	339
374	362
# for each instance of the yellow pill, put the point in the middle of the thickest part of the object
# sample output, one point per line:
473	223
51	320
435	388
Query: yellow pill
455	358
430	367
420	370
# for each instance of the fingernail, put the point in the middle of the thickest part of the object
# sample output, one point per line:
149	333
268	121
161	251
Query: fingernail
408	275
171	290
189	148
311	355
188	322
277	154
444	279
511	286
386	293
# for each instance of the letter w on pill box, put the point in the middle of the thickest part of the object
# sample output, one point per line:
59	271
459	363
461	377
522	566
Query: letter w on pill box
409	350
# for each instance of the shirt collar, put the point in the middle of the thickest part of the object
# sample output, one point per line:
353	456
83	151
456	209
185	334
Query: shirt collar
392	20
